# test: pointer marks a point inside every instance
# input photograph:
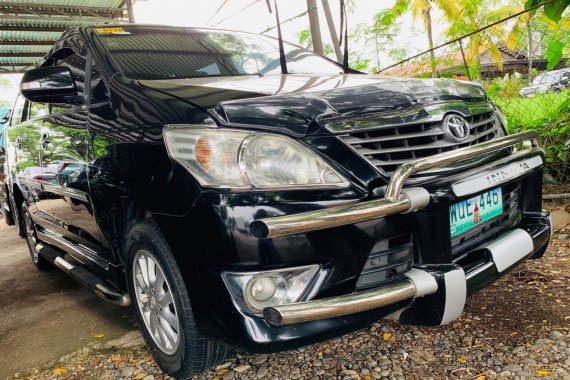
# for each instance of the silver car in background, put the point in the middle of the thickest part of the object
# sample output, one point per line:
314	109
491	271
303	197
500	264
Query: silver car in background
550	81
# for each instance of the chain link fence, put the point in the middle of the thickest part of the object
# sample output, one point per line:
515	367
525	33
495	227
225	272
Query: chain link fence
523	61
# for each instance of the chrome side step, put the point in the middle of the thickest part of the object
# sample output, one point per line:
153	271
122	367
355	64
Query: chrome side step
79	252
93	283
83	276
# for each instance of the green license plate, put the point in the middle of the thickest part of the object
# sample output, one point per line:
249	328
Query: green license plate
470	212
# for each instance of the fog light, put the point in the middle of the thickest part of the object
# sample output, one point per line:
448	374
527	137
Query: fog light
265	291
263	288
254	291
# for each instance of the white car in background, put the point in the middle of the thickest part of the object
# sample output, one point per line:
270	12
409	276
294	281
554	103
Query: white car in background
550	81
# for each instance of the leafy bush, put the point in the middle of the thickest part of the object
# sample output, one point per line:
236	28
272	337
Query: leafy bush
533	112
505	88
548	115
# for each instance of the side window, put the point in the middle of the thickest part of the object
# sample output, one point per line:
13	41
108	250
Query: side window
36	110
18	112
98	89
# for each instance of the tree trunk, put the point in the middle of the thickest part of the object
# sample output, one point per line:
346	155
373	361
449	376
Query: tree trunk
315	27
427	16
530	50
332	30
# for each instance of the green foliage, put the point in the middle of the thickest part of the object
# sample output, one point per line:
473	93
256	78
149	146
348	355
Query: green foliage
374	41
554	53
503	89
360	64
549	115
304	38
533	112
398	54
553	10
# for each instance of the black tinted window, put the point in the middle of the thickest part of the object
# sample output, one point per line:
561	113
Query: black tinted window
164	53
98	89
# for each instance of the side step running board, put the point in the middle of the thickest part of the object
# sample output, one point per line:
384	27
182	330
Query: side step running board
84	277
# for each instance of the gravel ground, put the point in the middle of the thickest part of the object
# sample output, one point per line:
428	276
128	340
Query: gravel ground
517	328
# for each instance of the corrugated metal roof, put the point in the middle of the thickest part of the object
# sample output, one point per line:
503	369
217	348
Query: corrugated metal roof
28	28
7	36
70	3
41	24
23	49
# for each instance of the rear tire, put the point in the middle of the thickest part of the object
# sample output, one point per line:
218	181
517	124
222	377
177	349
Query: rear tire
162	305
32	239
7	212
16	215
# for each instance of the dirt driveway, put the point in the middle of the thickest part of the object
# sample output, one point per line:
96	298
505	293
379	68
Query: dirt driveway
45	315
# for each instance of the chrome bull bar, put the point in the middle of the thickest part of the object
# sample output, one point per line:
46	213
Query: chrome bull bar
396	199
336	307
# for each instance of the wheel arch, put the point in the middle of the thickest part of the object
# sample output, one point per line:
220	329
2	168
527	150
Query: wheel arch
18	195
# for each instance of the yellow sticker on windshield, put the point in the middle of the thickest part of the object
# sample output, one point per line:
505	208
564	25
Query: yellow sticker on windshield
111	31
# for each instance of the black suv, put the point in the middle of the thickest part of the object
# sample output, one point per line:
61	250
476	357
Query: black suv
239	202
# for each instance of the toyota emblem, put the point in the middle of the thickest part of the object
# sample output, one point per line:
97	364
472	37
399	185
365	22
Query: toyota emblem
456	128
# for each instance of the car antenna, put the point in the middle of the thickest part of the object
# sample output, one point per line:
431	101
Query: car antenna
282	59
344	24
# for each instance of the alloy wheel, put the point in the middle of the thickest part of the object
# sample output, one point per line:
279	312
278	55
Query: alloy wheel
155	302
31	236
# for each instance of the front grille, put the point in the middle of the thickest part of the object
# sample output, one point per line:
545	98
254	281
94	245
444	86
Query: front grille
388	260
389	147
510	217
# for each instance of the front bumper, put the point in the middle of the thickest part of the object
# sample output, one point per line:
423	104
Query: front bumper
444	285
435	290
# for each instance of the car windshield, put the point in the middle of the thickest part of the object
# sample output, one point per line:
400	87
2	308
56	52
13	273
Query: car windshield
547	78
166	53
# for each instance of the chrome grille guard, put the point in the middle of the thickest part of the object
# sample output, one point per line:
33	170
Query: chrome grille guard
396	199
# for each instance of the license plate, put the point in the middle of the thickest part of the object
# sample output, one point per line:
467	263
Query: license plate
467	214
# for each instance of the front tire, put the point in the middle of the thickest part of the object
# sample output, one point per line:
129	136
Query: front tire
162	305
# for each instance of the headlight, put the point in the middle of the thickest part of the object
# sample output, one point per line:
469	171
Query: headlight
254	291
246	160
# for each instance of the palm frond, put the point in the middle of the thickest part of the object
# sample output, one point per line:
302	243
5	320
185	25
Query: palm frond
495	55
499	14
515	35
450	8
419	8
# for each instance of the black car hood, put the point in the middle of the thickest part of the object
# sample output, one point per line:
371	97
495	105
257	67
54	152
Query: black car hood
290	103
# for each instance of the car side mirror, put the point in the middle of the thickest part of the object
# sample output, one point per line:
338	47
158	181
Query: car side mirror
49	85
